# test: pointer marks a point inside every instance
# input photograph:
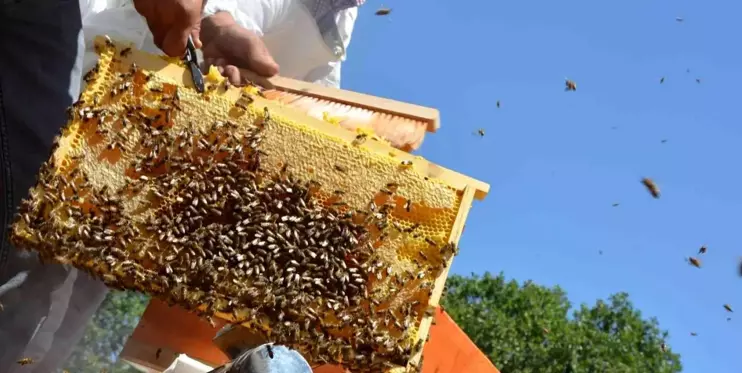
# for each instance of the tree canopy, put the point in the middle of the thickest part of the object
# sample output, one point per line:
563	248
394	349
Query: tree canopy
106	335
522	328
528	329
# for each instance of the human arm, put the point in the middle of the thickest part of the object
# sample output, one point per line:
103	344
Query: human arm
228	45
172	22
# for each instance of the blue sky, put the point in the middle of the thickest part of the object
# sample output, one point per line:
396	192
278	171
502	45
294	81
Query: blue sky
556	163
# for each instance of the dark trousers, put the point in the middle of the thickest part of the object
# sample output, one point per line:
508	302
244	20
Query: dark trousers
45	307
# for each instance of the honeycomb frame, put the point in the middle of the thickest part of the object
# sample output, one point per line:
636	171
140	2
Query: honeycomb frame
90	157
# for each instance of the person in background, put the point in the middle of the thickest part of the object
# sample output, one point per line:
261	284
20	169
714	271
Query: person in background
44	308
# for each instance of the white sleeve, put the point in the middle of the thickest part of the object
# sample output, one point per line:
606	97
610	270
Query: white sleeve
329	75
244	12
215	6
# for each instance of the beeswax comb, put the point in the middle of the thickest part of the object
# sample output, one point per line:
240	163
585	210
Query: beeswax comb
243	208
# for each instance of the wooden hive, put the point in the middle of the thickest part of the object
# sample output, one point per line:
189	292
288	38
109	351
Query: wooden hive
237	206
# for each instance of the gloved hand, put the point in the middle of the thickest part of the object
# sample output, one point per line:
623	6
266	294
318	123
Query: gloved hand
172	22
233	48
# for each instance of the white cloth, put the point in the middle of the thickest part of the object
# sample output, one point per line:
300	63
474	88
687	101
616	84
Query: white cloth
286	26
184	364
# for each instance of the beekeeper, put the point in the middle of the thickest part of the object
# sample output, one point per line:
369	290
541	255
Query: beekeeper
301	39
44	308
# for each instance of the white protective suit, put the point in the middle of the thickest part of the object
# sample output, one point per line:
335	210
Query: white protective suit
286	26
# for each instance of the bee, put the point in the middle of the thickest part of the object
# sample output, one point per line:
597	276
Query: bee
408	205
497	104
270	350
125	52
383	11
109	42
266	114
615	205
25	361
662	80
546	330
653	189
698	80
406	163
360	139
695	262
702	250
679	19
480	132
570	85
157	354
728	308
341	168
663	141
693	334
663	347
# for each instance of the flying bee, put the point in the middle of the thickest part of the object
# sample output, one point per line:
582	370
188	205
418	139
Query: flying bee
698	80
125	52
570	85
693	334
270	350
702	250
728	308
480	132
663	347
383	11
25	361
497	104
662	80
653	189
695	262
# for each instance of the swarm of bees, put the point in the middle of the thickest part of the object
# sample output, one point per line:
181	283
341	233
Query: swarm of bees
223	235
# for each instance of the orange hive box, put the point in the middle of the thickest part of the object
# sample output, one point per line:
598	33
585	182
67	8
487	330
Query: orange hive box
174	331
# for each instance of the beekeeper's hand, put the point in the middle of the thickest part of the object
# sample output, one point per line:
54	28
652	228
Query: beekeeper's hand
172	22
232	48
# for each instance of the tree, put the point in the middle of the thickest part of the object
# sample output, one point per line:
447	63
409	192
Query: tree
527	329
107	333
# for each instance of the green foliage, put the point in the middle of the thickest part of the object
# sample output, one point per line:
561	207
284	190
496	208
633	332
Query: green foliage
527	329
106	335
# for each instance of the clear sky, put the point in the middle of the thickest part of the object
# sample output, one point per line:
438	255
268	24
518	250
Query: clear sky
558	160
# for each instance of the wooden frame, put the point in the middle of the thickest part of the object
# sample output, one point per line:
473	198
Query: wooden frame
469	188
458	228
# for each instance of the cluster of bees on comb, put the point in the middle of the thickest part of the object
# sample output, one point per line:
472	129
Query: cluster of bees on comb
215	233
